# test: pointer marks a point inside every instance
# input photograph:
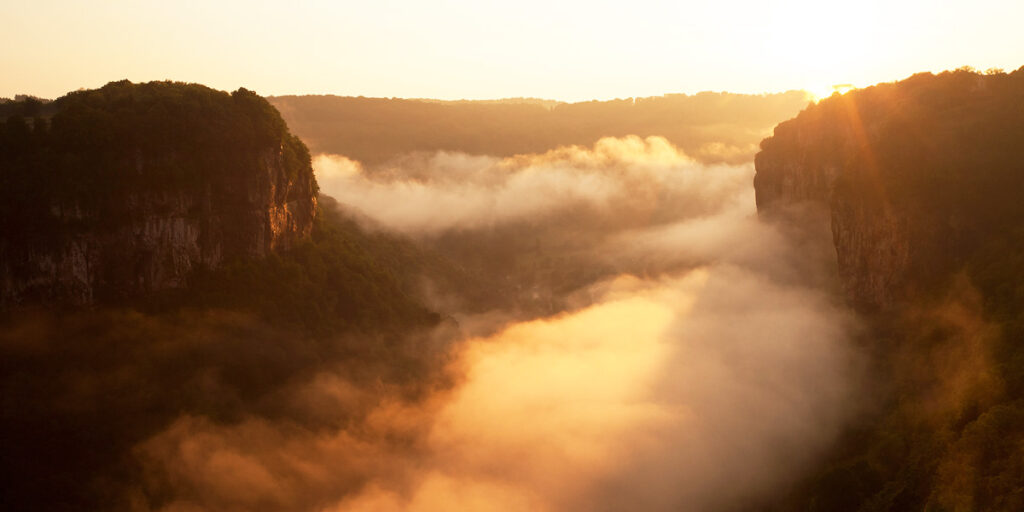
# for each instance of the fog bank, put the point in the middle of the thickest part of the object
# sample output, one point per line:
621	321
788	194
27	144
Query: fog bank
695	358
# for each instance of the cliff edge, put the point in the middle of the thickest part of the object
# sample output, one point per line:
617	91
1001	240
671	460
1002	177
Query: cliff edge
917	177
128	189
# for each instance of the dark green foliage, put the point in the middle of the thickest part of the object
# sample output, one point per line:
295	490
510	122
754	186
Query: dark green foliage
343	279
25	106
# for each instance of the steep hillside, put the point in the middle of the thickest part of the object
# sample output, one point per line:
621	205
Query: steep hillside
918	176
920	182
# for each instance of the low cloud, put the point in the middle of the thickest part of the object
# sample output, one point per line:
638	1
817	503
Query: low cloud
696	358
633	179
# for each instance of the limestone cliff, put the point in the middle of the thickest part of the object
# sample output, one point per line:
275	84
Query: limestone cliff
915	176
801	165
171	178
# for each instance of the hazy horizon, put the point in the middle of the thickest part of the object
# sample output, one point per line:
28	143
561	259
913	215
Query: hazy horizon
572	51
823	91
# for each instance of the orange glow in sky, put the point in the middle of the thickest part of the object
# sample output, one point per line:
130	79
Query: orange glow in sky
571	50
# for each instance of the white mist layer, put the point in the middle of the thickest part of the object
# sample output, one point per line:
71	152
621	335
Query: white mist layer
698	391
702	368
444	191
701	392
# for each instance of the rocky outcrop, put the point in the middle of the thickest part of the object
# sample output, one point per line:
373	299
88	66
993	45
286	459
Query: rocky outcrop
800	167
915	176
147	218
873	252
160	237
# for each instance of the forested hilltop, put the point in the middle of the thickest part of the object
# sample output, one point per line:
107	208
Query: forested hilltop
712	127
920	181
129	188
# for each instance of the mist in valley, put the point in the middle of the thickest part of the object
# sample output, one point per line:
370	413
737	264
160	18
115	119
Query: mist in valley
646	342
613	325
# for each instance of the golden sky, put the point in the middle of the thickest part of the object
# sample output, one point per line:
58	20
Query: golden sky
568	50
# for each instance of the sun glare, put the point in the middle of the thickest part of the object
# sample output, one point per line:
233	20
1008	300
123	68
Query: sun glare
819	93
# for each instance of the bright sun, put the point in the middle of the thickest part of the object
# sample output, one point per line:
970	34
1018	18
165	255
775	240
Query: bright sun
822	92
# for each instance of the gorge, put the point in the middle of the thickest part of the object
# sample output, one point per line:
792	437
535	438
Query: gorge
546	306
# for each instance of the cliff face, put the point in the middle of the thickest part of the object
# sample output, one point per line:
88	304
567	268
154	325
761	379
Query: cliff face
145	218
801	166
915	176
920	182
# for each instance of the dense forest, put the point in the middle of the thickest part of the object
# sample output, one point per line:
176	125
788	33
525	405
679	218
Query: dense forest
711	127
935	160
